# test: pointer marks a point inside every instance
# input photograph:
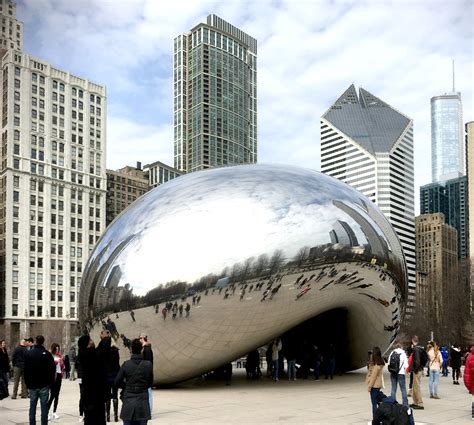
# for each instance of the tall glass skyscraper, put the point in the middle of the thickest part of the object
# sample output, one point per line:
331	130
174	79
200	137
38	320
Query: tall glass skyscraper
447	141
215	97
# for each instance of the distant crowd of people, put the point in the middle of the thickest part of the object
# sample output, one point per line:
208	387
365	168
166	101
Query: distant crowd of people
410	361
40	372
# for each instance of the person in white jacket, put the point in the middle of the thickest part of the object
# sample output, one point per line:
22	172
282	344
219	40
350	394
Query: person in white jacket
399	378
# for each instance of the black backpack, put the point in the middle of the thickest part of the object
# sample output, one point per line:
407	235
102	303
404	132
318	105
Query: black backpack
394	365
400	415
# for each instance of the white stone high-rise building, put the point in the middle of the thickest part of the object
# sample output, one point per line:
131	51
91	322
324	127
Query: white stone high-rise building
368	144
52	192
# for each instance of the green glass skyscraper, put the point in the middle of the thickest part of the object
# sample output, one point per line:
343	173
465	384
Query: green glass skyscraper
215	97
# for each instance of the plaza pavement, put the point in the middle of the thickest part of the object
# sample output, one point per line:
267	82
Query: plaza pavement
342	401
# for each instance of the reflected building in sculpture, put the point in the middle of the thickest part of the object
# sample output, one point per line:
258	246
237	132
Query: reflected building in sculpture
269	249
368	144
215	97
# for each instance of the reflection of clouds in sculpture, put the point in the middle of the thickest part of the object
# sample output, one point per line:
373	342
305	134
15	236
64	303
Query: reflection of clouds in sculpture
247	225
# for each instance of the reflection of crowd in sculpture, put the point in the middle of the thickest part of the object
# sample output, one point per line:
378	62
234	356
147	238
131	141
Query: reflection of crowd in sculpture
175	309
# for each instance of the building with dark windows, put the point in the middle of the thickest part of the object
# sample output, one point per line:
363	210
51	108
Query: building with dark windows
447	137
215	97
53	186
368	144
450	198
437	268
124	186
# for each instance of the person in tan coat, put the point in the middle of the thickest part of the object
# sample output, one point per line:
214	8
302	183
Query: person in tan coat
374	379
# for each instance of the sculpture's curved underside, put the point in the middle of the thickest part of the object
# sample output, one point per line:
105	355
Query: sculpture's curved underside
261	249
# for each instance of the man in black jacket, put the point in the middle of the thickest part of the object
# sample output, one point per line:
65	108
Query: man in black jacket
40	372
138	377
18	362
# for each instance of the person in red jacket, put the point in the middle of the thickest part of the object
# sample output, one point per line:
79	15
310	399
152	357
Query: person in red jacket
469	376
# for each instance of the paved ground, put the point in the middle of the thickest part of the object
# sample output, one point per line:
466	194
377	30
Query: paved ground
342	401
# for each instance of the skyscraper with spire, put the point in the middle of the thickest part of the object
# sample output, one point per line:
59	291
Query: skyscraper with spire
369	144
447	136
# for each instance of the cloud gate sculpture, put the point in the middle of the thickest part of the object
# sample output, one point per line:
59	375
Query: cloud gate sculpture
216	263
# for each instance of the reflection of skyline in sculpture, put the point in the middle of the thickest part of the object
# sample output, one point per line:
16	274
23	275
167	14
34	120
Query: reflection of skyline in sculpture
254	239
343	234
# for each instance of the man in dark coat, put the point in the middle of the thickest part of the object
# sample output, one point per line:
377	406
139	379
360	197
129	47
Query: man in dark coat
137	376
18	362
40	372
94	382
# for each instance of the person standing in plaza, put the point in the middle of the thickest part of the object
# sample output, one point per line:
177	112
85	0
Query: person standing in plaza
455	362
330	361
135	376
276	348
4	364
417	364
147	354
469	377
290	354
40	371
397	366
72	360
445	355
435	362
56	387
18	362
374	379
94	382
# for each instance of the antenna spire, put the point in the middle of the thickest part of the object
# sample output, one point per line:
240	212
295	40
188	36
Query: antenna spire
453	78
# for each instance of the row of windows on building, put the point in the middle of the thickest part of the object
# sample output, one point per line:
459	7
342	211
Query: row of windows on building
55	312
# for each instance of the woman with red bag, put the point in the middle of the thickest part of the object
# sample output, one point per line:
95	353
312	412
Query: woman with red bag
469	377
56	387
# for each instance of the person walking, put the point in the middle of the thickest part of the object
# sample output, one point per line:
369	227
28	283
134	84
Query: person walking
147	354
94	382
135	376
4	365
469	377
276	348
419	359
435	362
18	362
56	387
455	361
67	366
397	366
374	378
39	372
72	360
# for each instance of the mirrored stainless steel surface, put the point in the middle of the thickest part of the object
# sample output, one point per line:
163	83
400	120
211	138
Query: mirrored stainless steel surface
253	251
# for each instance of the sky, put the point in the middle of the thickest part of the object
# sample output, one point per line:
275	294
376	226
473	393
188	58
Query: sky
309	52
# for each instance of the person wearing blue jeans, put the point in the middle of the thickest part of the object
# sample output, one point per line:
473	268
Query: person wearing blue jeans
42	394
374	379
40	372
292	370
398	379
435	362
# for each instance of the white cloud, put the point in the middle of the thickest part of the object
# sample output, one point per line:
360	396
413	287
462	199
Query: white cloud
309	53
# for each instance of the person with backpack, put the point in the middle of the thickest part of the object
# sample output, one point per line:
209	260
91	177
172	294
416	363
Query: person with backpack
435	362
397	366
417	363
374	379
469	377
